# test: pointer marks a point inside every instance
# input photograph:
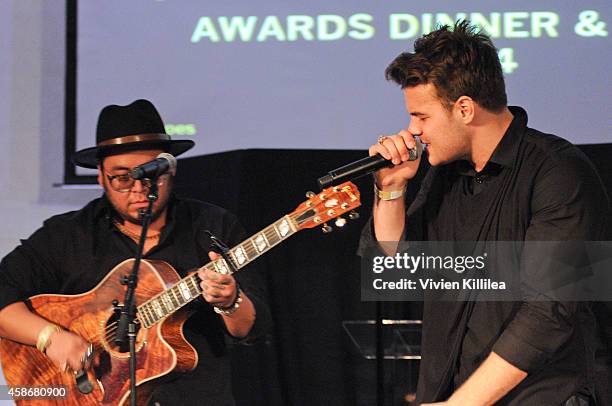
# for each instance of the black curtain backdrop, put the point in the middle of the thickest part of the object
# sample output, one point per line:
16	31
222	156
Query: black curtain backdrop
312	279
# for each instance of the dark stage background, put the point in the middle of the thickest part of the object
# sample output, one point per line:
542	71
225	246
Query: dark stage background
313	279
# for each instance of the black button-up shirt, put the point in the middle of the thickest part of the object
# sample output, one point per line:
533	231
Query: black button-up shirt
535	187
72	252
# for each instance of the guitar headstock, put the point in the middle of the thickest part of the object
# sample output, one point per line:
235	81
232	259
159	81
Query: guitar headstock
332	202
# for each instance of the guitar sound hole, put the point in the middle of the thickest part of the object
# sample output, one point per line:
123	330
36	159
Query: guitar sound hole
111	334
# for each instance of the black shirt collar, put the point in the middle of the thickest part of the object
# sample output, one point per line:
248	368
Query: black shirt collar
104	209
505	153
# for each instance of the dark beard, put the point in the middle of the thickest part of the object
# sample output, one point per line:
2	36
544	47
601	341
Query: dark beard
154	216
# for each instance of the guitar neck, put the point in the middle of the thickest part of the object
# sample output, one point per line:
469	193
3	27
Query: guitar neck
188	288
254	246
329	204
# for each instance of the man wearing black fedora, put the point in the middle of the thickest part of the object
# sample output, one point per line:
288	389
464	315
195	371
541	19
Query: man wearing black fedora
72	252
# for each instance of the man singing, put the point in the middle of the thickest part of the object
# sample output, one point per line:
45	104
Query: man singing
492	179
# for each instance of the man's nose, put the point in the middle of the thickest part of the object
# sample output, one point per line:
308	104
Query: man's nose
138	186
414	128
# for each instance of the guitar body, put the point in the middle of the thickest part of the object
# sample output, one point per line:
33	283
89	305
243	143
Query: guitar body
161	349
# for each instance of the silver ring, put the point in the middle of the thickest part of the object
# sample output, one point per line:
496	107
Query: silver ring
381	139
87	356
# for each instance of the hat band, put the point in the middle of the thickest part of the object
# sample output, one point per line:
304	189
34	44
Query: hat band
135	138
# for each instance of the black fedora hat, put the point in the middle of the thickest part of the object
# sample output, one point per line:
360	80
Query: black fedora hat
121	129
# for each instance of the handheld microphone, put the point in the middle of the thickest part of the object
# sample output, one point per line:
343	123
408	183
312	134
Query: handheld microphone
360	168
164	162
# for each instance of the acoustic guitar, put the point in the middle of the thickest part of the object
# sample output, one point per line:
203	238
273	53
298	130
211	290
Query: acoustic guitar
161	299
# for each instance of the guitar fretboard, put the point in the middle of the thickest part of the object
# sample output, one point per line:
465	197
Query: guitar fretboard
188	288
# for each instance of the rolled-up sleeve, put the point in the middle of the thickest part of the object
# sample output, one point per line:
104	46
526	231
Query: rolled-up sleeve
568	204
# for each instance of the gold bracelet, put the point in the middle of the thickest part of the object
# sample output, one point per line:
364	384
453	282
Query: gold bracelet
388	195
44	336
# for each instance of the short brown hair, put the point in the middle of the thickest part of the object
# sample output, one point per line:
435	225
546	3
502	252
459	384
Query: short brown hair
459	62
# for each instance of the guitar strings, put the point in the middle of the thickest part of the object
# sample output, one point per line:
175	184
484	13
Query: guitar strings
268	232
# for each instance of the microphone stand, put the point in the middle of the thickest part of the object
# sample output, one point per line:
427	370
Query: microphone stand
127	324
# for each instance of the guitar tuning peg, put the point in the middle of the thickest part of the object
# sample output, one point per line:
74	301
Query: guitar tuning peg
310	194
353	215
340	222
327	229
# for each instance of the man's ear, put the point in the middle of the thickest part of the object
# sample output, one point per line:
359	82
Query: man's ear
465	108
100	175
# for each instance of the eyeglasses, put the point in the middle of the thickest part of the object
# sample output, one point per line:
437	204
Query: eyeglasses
124	182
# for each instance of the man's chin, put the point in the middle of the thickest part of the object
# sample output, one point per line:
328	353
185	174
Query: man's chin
133	219
433	160
137	216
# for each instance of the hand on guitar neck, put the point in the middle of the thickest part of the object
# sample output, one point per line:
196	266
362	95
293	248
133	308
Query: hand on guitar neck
222	292
64	348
